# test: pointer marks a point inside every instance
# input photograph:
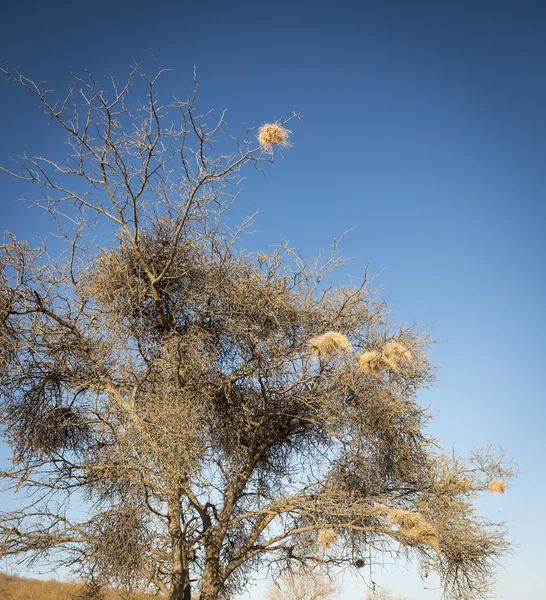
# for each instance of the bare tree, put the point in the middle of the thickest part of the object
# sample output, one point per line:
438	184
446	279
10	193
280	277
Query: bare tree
302	585
182	413
383	594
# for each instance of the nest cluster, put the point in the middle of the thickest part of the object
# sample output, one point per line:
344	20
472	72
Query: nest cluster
393	356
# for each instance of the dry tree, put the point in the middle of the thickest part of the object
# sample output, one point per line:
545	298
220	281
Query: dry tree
170	424
383	594
303	585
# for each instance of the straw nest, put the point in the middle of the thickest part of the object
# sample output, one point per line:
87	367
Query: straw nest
406	519
415	526
453	486
328	343
497	486
370	361
391	357
326	538
393	351
427	534
273	134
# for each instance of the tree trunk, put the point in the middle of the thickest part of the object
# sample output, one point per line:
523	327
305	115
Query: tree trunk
210	588
210	593
181	589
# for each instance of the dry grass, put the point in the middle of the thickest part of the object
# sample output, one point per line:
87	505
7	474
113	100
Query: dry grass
326	538
13	587
273	134
328	343
497	486
20	588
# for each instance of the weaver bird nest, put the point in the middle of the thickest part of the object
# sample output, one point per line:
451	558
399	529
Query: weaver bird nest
392	357
497	486
273	134
327	538
328	343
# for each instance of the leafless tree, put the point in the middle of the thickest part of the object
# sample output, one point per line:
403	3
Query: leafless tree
182	413
383	594
303	585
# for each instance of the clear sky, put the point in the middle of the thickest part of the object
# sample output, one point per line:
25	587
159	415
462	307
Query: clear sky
424	127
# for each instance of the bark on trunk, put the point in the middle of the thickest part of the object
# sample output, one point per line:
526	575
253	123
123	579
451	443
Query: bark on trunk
180	573
210	588
181	589
210	594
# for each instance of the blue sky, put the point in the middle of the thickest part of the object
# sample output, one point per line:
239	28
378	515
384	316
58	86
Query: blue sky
423	128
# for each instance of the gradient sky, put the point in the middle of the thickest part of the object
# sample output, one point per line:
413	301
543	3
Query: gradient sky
424	128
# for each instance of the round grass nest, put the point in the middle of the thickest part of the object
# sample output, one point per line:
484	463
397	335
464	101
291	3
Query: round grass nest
326	538
273	134
415	526
497	486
